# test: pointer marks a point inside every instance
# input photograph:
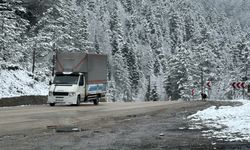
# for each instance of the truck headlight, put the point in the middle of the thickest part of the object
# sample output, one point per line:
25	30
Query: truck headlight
50	93
72	93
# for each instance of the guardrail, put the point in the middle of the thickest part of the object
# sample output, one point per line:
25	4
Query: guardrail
23	100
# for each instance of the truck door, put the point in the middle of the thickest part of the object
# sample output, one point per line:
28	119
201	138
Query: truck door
81	87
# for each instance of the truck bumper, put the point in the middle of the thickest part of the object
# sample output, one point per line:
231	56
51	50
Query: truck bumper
63	100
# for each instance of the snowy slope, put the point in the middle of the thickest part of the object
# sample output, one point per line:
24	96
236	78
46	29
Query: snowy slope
18	82
225	123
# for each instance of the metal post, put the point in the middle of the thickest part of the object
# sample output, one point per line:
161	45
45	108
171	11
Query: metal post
53	60
202	82
209	92
234	94
243	92
193	93
2	46
245	79
148	89
33	60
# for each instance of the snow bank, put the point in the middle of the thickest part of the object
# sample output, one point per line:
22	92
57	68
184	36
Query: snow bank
226	123
18	83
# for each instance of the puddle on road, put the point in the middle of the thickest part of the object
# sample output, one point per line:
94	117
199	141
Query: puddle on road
64	128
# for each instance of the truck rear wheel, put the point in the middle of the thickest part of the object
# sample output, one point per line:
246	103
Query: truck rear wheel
96	101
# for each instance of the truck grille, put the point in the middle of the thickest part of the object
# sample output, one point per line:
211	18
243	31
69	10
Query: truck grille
60	93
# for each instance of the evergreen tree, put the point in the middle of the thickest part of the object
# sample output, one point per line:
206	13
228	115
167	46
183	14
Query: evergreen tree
132	65
121	77
178	75
13	29
175	29
120	67
116	36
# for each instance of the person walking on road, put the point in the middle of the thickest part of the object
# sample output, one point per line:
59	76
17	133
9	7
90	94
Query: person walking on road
203	96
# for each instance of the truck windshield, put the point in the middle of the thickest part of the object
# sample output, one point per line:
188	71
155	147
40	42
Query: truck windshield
66	79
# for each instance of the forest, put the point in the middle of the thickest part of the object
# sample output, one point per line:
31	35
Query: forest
157	49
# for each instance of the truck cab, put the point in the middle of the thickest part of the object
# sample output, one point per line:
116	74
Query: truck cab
67	88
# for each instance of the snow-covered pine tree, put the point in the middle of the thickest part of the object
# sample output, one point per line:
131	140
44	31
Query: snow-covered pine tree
13	29
119	64
175	29
178	75
121	77
132	65
80	34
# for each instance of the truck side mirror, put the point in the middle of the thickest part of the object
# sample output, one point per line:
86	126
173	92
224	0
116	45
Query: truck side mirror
50	82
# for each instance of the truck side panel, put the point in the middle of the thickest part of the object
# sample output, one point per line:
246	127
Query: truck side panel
97	69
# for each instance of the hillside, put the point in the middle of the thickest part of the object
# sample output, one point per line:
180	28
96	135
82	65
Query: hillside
157	49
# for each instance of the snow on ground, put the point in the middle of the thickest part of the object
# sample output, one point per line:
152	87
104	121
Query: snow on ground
224	123
18	82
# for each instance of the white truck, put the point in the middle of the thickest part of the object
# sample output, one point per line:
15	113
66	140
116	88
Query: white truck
79	77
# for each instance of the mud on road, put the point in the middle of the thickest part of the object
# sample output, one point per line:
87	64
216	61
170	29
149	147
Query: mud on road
158	128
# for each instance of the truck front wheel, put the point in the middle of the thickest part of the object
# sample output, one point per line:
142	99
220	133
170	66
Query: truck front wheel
78	101
96	101
52	104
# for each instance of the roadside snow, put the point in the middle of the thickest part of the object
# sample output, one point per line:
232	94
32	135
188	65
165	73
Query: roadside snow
18	83
226	123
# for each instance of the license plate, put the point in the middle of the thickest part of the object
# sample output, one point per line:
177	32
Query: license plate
59	99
